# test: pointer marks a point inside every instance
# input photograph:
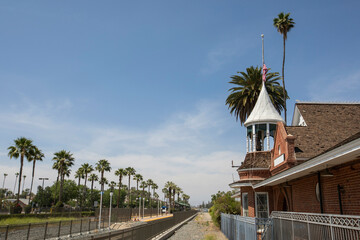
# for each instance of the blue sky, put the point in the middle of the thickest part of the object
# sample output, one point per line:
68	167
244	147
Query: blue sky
143	83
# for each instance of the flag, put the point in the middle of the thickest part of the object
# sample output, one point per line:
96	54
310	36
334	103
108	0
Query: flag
264	72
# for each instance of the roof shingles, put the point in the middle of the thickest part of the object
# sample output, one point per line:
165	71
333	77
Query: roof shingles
327	125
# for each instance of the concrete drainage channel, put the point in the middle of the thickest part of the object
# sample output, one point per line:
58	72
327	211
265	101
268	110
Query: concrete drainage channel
168	233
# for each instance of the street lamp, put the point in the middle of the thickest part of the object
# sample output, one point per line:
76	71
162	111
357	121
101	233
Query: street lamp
111	194
101	197
143	207
139	206
43	179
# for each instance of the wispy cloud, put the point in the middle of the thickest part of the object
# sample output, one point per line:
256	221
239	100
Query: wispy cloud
336	88
184	148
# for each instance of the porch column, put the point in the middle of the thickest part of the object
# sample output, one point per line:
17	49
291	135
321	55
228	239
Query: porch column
253	138
267	136
247	142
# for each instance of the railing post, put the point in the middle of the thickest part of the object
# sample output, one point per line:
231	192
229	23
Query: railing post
89	225
7	231
308	226
331	228
70	227
80	225
292	226
59	229
28	232
46	226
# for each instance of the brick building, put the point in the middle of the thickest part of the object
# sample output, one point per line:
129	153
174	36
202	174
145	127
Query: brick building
312	166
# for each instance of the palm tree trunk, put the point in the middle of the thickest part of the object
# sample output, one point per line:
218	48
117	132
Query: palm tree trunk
32	179
102	181
84	191
283	81
129	192
118	197
20	175
61	183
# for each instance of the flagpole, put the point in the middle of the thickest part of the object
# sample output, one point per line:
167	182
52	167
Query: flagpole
262	38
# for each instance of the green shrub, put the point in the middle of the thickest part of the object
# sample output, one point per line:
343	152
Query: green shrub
27	209
223	203
15	208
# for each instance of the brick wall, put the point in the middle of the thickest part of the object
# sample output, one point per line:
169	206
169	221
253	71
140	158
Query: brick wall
303	191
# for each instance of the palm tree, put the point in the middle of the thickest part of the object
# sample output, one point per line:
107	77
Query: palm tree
21	148
79	174
103	181
143	185
170	186
243	97
64	160
102	166
129	172
284	24
112	185
87	169
137	178
120	172
178	191
34	155
92	178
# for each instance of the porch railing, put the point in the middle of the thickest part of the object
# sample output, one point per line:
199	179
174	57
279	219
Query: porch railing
291	225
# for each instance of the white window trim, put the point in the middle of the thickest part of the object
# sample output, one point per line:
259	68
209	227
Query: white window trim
242	203
267	196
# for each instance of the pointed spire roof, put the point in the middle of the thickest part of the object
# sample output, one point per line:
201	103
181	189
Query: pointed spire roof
264	111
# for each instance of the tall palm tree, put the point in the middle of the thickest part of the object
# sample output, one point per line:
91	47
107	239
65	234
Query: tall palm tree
93	178
154	187
243	96
137	178
34	155
120	173
129	172
178	191
170	186
283	23
21	148
102	166
87	169
143	185
79	174
64	160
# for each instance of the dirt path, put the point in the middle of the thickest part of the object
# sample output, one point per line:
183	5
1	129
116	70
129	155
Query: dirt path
199	228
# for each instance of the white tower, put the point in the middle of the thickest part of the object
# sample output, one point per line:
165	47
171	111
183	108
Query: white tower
261	123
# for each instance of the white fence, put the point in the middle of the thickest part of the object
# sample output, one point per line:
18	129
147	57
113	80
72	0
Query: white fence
291	226
238	227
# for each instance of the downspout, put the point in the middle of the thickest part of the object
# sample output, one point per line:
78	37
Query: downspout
320	193
339	189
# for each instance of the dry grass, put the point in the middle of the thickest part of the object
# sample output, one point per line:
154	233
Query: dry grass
19	221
